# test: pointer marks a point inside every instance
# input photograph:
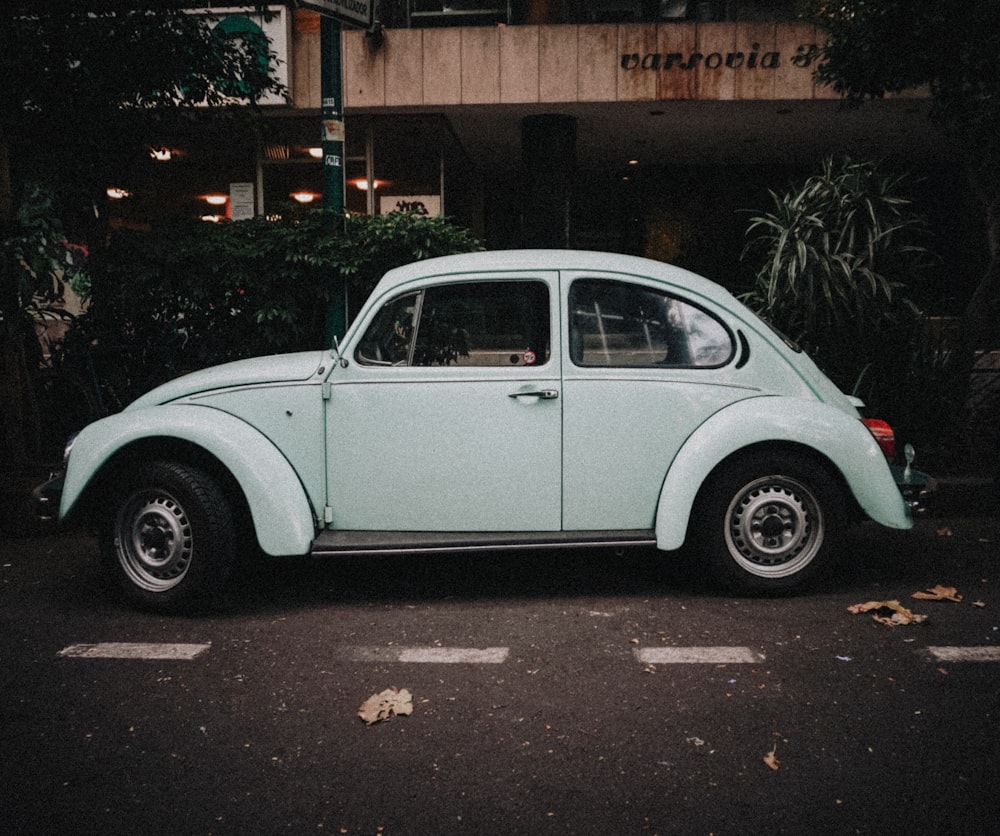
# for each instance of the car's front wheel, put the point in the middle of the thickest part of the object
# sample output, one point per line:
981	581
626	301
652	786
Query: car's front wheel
168	539
768	522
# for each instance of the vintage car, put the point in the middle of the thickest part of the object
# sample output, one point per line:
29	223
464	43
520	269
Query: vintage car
520	399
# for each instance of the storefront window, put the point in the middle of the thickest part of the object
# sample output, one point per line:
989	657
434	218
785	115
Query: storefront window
391	164
395	165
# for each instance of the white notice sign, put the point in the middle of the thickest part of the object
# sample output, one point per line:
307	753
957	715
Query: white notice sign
241	206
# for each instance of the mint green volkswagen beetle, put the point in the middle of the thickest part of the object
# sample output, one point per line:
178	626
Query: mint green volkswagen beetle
494	400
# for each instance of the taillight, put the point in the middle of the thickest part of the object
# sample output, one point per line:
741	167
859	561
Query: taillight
884	436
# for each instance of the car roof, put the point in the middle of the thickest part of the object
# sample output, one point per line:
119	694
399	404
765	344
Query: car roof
501	261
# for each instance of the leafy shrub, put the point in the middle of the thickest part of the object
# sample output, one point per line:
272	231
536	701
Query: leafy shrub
197	294
38	266
837	251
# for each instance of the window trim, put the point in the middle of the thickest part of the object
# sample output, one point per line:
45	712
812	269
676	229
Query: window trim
657	287
546	279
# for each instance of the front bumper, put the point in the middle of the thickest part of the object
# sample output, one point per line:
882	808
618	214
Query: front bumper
46	497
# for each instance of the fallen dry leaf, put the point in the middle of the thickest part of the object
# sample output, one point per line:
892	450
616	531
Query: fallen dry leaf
979	603
939	593
944	532
900	615
382	706
771	759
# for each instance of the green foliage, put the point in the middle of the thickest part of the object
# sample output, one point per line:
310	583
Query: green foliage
85	82
199	294
372	245
40	262
36	265
836	250
124	55
874	48
834	256
83	85
878	47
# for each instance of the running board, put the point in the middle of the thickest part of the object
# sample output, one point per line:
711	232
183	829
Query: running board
349	543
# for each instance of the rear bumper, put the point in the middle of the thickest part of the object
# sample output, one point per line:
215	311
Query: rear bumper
916	487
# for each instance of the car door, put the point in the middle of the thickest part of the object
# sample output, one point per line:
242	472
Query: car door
643	366
447	415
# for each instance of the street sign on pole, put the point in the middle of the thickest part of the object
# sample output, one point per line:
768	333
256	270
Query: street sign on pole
331	94
350	12
336	13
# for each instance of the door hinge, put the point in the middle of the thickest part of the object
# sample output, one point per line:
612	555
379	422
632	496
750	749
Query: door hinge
327	390
327	515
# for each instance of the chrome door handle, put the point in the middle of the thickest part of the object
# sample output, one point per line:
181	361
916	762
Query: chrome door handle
542	394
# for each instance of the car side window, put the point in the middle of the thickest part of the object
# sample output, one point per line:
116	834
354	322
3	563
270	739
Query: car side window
389	338
614	323
503	323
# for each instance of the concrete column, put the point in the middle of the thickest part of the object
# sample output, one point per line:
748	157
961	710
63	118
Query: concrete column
548	148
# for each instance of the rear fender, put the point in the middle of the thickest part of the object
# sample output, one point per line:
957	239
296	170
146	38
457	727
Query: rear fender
279	506
832	433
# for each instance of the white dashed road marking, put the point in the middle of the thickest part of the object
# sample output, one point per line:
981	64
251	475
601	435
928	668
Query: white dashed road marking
134	650
719	655
698	655
429	655
965	654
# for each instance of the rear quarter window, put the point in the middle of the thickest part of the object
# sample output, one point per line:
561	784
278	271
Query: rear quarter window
621	324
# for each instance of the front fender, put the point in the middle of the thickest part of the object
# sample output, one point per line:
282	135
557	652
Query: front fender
278	503
834	434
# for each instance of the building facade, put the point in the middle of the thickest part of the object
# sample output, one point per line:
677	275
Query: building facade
626	125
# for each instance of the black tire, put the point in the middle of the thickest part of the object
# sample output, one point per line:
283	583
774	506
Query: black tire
168	539
768	521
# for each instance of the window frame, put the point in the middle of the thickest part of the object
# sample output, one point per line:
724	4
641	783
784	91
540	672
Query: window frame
542	280
636	283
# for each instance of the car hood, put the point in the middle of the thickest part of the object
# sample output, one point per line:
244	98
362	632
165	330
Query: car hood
278	368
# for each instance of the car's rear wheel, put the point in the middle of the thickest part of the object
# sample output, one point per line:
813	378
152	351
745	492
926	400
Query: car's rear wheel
168	540
768	522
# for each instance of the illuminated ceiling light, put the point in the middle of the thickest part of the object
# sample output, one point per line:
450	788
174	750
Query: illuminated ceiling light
304	197
117	193
316	153
161	155
633	162
215	199
362	184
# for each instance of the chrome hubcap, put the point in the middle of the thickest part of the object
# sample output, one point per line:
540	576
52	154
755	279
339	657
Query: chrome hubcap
153	540
774	527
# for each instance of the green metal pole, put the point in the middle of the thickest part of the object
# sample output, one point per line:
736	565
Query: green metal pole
332	96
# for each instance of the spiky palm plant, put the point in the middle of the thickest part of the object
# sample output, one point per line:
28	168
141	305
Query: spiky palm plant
834	254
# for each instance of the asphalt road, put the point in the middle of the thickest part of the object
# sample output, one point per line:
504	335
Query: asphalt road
564	693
